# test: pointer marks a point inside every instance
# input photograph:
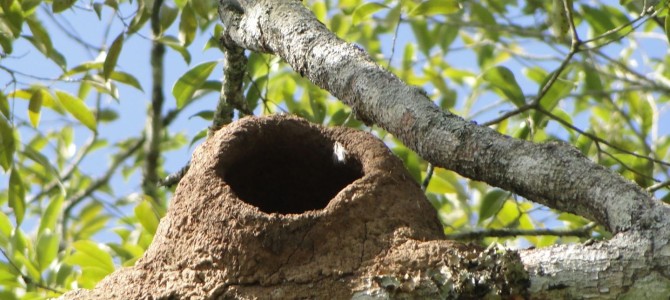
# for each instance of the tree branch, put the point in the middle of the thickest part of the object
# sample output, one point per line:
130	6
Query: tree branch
554	174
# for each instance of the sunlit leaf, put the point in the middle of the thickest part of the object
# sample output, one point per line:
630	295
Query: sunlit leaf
362	12
47	248
147	216
188	83
50	216
77	109
436	7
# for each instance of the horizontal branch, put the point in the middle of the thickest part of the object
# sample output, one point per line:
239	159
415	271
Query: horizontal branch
554	174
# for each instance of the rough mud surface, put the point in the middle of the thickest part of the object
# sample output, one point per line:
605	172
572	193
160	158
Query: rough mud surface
267	211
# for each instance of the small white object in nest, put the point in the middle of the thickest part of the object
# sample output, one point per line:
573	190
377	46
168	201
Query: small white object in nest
339	154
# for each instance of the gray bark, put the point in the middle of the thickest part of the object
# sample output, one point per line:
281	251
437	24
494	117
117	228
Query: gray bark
633	263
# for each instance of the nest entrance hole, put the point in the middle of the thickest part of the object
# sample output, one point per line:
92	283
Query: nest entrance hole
288	170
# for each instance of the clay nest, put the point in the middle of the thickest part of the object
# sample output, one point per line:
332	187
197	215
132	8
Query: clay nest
277	201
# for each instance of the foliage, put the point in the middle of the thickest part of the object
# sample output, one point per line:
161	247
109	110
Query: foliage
512	65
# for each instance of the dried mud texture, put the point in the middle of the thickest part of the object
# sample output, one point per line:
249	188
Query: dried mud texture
266	211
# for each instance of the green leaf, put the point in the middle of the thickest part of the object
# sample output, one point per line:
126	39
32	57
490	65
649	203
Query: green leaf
141	17
187	25
126	78
199	136
207	115
7	144
4	105
17	196
77	108
147	216
167	16
41	37
49	218
203	8
491	204
89	255
503	79
6	227
363	11
173	43
47	249
188	83
61	5
667	27
112	56
34	107
436	7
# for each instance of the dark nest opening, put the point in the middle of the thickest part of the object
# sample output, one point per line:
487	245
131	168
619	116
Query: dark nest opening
289	168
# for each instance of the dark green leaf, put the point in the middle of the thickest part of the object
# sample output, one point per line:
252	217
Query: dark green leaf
188	24
77	109
167	16
205	114
42	41
61	5
34	107
173	43
491	204
503	79
126	78
188	83
17	196
108	115
4	105
112	56
7	144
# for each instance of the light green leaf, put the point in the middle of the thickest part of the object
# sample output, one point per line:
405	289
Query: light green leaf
188	83
667	27
49	218
436	7
17	196
88	254
363	11
188	24
503	79
147	216
112	56
6	227
77	109
34	107
47	249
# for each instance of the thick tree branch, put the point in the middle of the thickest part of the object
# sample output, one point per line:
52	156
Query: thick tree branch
554	174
